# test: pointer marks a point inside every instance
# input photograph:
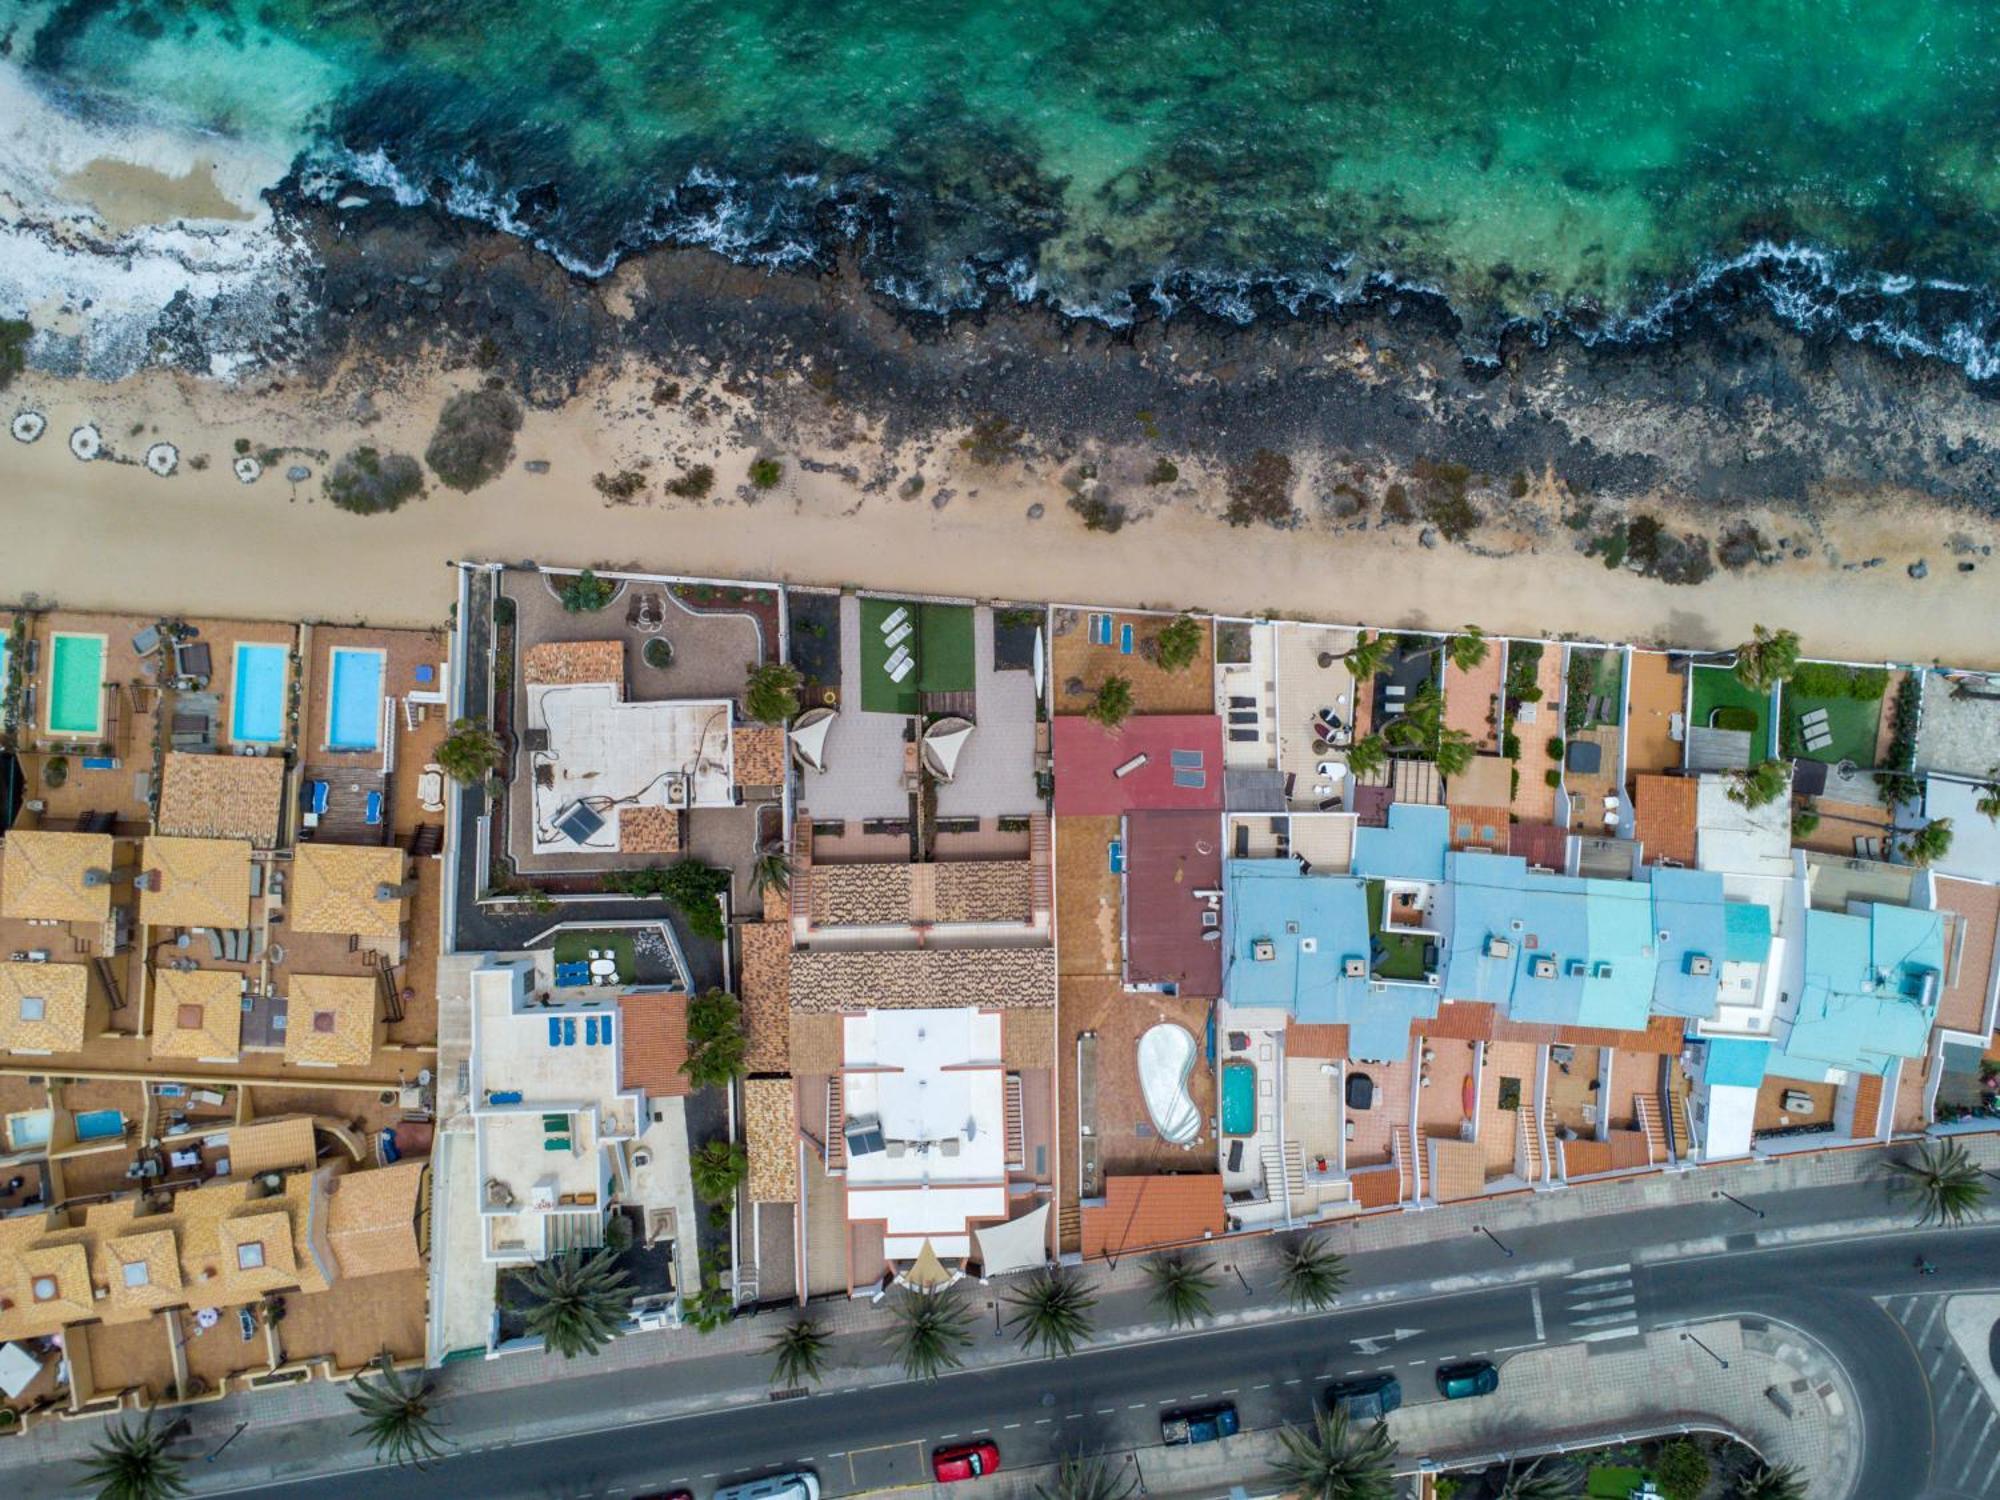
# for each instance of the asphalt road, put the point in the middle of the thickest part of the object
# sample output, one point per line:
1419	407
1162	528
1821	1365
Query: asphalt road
1110	1399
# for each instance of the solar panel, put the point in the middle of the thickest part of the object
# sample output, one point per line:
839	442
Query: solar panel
579	824
1190	777
1186	759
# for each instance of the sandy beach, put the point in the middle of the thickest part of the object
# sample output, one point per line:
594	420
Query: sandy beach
111	533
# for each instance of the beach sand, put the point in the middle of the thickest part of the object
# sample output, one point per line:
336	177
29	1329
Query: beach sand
109	533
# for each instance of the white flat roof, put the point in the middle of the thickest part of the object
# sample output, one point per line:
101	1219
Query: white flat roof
611	754
1732	1108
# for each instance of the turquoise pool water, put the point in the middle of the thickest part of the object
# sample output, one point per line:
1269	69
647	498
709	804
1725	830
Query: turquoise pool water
354	700
1239	1098
99	1124
258	717
76	684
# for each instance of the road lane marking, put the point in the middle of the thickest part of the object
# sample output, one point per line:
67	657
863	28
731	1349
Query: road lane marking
1535	1299
1618	1270
1011	1426
1295	1380
1137	1406
1043	1421
1075	1416
1264	1387
1107	1411
1603	1318
1599	1335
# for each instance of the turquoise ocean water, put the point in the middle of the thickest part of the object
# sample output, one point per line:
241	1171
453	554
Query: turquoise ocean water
1592	160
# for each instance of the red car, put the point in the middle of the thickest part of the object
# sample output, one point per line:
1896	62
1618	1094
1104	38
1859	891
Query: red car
966	1461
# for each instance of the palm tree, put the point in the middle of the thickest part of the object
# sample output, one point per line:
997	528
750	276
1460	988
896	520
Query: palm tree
1310	1272
1467	649
718	1170
1182	1287
1368	656
1455	752
1928	844
575	1302
1088	1479
1331	1461
929	1330
771	692
1766	1483
396	1415
132	1463
1113	703
1762	783
1989	795
1768	658
469	752
771	873
1942	1181
1421	721
1367	756
1051	1311
798	1353
1536	1483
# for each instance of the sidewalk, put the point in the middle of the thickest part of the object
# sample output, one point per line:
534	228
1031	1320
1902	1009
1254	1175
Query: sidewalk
1392	1258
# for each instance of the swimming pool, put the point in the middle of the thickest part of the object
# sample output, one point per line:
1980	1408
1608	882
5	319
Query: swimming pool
354	699
99	1124
258	682
76	684
1239	1098
28	1127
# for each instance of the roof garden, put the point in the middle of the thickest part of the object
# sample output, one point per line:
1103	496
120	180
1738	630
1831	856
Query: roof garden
909	649
1833	713
1721	702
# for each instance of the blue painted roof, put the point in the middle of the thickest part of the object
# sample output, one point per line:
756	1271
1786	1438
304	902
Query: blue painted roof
1748	926
1314	923
1738	1062
1863	1001
1412	847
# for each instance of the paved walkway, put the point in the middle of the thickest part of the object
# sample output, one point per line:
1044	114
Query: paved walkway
1392	1258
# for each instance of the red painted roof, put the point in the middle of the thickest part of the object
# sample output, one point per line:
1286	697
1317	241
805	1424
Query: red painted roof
1086	755
1142	1213
1168	857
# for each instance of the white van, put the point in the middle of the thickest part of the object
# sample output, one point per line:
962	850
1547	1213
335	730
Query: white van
803	1485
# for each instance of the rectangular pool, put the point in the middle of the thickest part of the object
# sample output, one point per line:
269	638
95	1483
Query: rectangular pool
258	685
1239	1098
99	1124
354	699
76	684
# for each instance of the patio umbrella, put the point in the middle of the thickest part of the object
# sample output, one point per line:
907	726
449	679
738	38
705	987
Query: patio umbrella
927	1272
1038	661
944	742
808	737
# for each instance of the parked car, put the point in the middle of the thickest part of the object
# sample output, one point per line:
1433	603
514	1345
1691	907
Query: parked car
1199	1424
964	1461
667	1495
802	1484
1471	1377
1368	1399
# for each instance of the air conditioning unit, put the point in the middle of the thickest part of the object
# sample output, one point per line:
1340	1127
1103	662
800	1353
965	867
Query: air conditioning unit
677	789
1499	947
1354	968
1601	969
1543	968
1577	968
1700	965
1263	950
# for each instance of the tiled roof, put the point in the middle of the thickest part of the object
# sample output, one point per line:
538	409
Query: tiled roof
371	1219
1002	978
1488	781
1376	1187
160	1283
1028	1039
1457	1169
1868	1106
44	876
272	1146
335	886
203	883
61	1276
256	1251
1969	964
1664	817
1302	1039
763	987
653	1043
197	1013
221	796
1141	1212
649	830
859	895
1479	827
818	1045
770	1125
43	1006
759	753
330	1020
984	890
552	663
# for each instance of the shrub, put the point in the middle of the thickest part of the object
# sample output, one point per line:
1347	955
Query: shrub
657	653
991	441
1166	471
1179	643
1260	489
1734	716
715	1038
1555	747
1099	514
766	472
367	482
14	336
1510	746
691	886
771	693
694	484
1524	662
622	488
1396	505
1553	776
474	440
1113	703
586	593
469	753
1682	1470
1822	680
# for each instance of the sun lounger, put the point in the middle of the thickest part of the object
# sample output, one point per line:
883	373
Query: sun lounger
214	943
555	1143
555	1031
900	634
903	671
894	618
1813	720
316	795
374	811
896	658
1818	739
1125	640
569	1031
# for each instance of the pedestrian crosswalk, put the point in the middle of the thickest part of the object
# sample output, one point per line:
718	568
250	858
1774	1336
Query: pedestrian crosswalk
1598	1305
1967	1422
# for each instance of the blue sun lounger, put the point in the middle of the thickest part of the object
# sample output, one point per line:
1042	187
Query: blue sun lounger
555	1031
569	1031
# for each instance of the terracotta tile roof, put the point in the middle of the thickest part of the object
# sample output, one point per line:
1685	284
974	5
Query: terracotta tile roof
1479	827
770	1124
44	876
759	754
984	890
1028	1039
1376	1187
1629	1150
1456	1170
335	886
197	1013
649	830
371	1219
1868	1106
859	895
763	987
272	1146
330	1020
552	663
203	882
221	796
43	1007
1664	817
1476	1021
818	1045
1303	1039
157	1284
653	1043
1000	978
1541	845
1586	1158
256	1251
1969	965
56	1279
1141	1212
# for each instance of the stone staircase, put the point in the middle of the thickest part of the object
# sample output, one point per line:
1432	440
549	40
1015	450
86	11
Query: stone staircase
1041	882
836	1128
1288	1168
1409	1165
1529	1147
1647	1109
1017	1140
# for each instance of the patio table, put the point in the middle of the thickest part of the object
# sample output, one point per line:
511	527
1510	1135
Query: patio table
604	966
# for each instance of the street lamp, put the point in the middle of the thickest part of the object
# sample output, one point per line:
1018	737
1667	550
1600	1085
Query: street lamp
1482	1229
1719	1193
210	1458
1704	1349
1239	1276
